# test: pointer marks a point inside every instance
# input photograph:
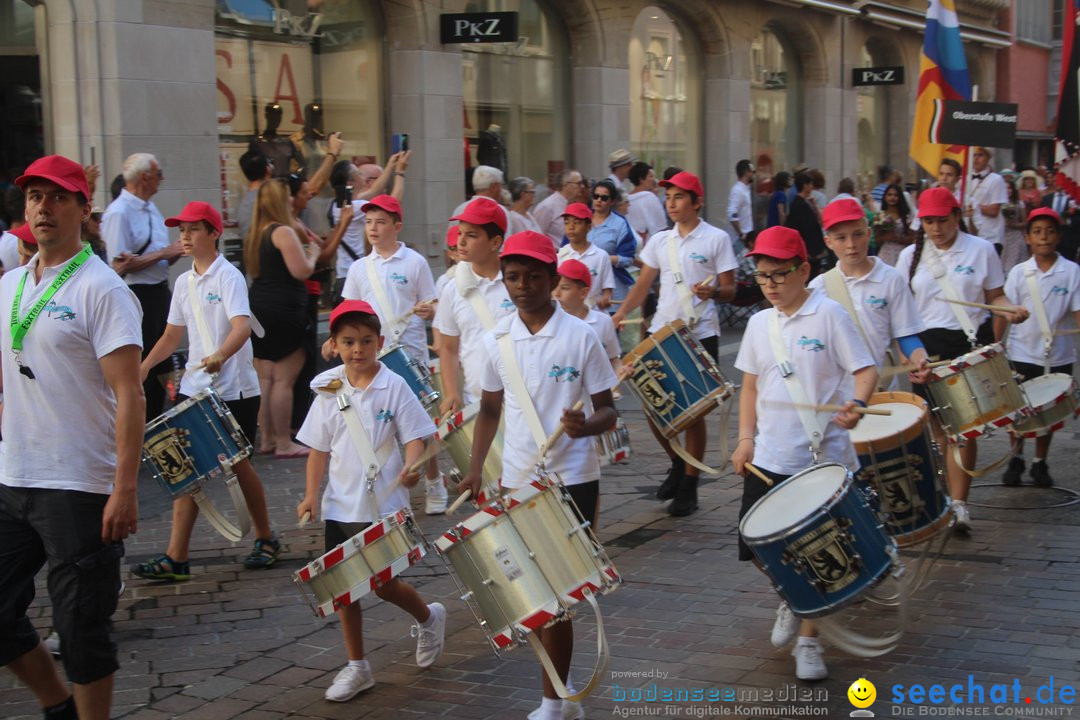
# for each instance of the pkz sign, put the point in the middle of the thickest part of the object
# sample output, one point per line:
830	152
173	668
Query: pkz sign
861	77
478	27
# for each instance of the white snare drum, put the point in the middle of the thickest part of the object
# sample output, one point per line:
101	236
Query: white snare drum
525	561
976	393
362	563
457	432
1053	400
613	446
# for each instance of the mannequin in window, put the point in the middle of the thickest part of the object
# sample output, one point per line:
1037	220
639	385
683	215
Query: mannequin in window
279	149
309	141
492	150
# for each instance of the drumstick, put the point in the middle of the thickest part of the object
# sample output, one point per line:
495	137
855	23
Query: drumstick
633	321
761	476
458	503
304	520
1071	331
982	306
828	407
889	372
561	428
409	314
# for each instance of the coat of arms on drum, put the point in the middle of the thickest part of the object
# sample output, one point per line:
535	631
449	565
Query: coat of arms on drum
167	450
822	552
647	377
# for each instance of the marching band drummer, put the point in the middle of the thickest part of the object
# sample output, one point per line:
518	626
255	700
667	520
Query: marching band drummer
830	364
1058	283
696	266
211	297
539	362
367	478
971	268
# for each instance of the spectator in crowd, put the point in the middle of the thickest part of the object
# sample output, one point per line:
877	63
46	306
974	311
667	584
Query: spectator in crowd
778	201
804	218
740	209
985	196
949	173
1030	194
549	213
487	183
817	179
646	214
894	226
520	217
1015	249
886	176
256	168
619	163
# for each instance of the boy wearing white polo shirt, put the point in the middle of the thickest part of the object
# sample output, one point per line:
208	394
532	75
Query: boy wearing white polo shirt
472	302
831	365
210	303
573	288
875	295
577	221
559	361
696	266
362	489
1031	349
398	283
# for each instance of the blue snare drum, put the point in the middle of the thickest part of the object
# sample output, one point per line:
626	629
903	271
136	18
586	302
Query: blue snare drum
818	540
193	442
416	374
675	378
898	460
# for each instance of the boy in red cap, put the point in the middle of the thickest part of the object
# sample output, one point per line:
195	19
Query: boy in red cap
572	293
1049	284
555	361
211	298
577	221
829	363
696	266
368	480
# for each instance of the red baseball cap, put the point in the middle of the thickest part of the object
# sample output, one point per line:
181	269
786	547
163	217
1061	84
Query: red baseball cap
452	235
25	233
68	174
578	210
576	270
389	203
842	210
530	244
349	306
779	242
194	212
1044	212
482	211
685	181
937	202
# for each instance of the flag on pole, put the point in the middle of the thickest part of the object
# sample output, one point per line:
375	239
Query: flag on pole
943	75
1067	134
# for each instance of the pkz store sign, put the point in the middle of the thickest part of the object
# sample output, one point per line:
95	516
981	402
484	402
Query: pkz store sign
493	27
862	77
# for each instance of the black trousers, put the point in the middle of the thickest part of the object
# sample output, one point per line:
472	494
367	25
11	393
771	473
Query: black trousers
155	307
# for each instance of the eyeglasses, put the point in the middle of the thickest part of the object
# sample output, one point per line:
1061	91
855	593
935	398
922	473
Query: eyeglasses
574	182
779	277
605	198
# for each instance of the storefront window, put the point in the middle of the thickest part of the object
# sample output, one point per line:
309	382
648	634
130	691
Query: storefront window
665	125
22	129
775	105
288	73
515	95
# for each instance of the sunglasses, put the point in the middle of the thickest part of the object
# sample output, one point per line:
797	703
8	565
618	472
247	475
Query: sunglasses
605	198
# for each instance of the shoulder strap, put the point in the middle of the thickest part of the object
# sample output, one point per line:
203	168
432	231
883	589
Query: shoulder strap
837	289
348	250
1031	276
807	417
200	317
941	275
682	289
521	392
394	330
465	279
375	460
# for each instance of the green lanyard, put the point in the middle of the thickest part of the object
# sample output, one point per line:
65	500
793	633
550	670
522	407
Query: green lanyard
19	328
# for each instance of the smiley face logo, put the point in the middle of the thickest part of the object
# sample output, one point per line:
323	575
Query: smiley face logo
862	693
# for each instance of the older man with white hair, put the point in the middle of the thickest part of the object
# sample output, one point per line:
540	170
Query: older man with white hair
487	183
139	249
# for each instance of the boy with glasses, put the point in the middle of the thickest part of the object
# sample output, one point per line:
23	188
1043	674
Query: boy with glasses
578	221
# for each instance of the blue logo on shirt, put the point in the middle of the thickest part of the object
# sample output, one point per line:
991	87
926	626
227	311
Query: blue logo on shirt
399	279
506	304
385	415
698	258
62	312
569	374
964	270
811	344
213	299
876	302
1058	290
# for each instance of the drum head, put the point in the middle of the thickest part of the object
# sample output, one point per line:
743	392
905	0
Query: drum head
876	427
793	500
1045	389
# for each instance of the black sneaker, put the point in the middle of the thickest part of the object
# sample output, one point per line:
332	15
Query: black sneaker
667	489
264	554
1040	474
685	501
1014	472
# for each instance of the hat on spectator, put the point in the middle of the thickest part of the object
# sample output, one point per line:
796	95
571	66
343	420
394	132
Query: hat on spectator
576	270
779	242
530	244
619	158
194	212
68	174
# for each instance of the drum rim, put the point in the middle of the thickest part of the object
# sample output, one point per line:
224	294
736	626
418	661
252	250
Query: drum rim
972	358
183	406
906	434
849	481
1070	390
927	531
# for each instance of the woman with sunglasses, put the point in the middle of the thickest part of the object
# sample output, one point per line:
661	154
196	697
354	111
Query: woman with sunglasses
611	232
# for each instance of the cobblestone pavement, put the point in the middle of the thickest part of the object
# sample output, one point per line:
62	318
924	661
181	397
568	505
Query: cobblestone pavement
1001	606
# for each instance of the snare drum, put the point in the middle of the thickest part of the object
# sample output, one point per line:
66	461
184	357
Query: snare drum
613	446
457	433
976	393
192	443
1053	400
416	373
362	563
818	540
525	561
900	463
675	378
435	373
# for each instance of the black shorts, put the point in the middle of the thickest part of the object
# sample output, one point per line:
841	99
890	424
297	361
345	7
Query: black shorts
337	532
244	410
949	344
1029	371
753	489
587	497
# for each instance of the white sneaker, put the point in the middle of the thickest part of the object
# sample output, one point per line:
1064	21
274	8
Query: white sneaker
809	659
350	682
963	517
570	711
52	643
786	626
429	640
435	504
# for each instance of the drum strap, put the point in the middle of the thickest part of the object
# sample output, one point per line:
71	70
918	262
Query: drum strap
1031	276
465	279
682	288
395	328
231	532
603	655
807	416
360	439
200	316
837	289
941	274
521	392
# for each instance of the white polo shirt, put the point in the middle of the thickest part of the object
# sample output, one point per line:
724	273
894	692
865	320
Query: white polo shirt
825	351
989	190
389	413
601	324
973	267
646	215
455	317
548	215
704	253
406	280
599	264
223	295
740	206
352	239
560	364
885	306
127	224
60	428
1059	288
9	251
